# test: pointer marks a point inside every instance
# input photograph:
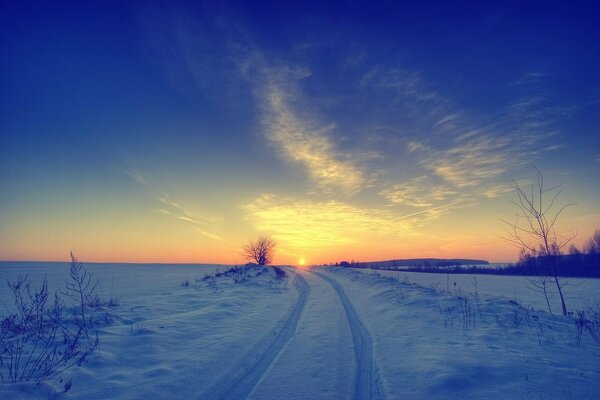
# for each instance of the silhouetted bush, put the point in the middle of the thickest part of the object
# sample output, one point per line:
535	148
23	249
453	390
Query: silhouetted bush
259	251
241	273
588	321
42	338
279	273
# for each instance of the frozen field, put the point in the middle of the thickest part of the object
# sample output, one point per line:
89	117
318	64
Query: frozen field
326	333
579	292
125	280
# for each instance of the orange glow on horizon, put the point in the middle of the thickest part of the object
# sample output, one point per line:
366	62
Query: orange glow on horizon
306	232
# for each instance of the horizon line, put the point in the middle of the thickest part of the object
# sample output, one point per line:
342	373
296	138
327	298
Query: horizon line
233	264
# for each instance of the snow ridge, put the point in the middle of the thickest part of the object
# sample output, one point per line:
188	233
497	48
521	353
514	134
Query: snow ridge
240	387
367	383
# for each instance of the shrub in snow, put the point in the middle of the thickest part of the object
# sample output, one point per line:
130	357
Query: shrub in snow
42	338
239	274
588	321
279	273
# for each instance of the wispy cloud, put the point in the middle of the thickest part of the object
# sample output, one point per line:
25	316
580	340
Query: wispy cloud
483	156
495	191
447	121
311	145
210	235
302	223
186	43
469	163
472	161
175	209
417	192
477	165
185	213
464	158
194	45
405	83
458	158
420	218
308	224
529	78
138	177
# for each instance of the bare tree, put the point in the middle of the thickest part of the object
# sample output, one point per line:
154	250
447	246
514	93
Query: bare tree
592	246
81	288
540	284
260	251
534	228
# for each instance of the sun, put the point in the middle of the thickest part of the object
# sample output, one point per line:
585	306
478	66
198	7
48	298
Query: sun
301	261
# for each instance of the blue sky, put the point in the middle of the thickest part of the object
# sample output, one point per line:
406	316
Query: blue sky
154	132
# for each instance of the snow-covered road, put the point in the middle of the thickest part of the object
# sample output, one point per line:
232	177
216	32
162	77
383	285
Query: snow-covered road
366	383
331	354
239	382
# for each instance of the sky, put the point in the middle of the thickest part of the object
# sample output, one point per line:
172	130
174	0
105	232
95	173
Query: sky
155	132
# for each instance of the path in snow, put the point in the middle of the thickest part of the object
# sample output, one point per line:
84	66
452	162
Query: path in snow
239	387
367	382
318	362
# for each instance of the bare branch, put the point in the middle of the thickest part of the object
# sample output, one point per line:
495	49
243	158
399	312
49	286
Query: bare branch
534	226
259	251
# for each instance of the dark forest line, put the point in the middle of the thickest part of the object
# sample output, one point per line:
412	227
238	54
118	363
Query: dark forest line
571	265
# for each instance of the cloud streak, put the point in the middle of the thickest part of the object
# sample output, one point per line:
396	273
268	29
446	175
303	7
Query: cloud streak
313	225
458	159
417	192
464	159
174	209
185	41
306	224
307	143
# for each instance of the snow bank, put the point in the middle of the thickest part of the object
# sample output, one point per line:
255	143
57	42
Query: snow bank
431	345
579	292
171	341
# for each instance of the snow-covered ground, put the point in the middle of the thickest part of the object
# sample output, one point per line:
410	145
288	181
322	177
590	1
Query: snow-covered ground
327	333
123	281
431	345
579	293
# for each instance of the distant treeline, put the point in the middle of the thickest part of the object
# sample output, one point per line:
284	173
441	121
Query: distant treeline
571	265
413	262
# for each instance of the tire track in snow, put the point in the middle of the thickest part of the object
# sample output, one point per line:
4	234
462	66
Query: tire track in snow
367	383
242	386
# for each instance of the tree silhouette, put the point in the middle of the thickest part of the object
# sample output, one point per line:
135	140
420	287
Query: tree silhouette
534	228
259	251
592	246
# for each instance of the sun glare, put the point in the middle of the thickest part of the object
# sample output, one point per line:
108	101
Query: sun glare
301	261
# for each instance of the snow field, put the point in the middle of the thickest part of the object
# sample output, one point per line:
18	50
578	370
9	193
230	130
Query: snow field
325	333
426	350
177	342
579	292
